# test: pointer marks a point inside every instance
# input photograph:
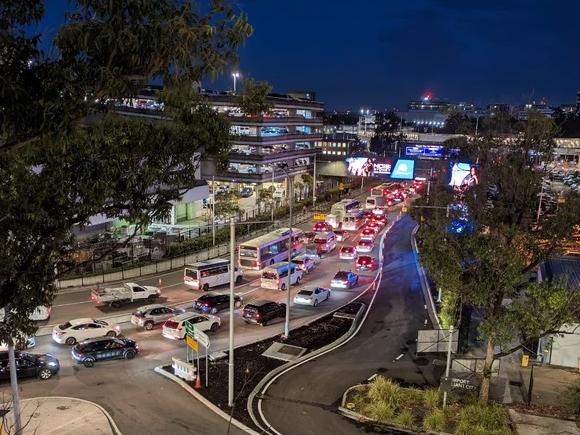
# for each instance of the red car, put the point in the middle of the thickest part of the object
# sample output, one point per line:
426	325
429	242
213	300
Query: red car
365	262
380	219
319	227
368	232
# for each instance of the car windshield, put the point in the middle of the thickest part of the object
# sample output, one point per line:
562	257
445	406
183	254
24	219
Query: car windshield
320	241
171	324
348	249
65	325
100	322
365	242
305	292
341	275
249	252
191	273
298	261
364	259
269	275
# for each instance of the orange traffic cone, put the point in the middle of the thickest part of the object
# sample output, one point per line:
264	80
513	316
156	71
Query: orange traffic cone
197	385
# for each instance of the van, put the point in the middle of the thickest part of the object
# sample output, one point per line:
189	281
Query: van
375	203
210	273
325	241
275	277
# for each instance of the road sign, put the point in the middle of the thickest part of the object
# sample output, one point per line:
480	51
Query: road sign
319	217
201	337
192	343
450	384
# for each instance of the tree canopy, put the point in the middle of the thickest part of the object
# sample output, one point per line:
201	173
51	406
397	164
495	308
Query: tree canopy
386	132
67	156
253	101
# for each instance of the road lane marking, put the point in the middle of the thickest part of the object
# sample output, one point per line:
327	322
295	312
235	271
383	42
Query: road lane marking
72	303
399	357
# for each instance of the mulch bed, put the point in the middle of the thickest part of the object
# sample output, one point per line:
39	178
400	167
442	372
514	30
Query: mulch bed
250	366
555	411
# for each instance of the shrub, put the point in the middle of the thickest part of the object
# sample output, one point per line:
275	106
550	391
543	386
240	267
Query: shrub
435	420
431	398
380	411
490	420
383	389
405	419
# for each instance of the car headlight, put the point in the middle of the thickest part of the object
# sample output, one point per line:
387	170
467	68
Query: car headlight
51	363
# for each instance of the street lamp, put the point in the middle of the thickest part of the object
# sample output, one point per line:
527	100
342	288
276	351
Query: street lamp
235	75
289	280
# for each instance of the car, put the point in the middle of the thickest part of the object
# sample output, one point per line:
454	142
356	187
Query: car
105	348
368	233
262	311
246	192
368	214
348	253
77	330
319	227
313	254
215	302
365	262
364	245
304	263
21	343
341	235
312	296
150	315
344	279
380	219
29	365
174	328
374	224
308	237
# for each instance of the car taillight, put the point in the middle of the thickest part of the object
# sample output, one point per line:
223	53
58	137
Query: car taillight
206	305
257	315
59	333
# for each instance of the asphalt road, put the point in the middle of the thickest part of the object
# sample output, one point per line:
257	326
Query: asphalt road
305	400
142	402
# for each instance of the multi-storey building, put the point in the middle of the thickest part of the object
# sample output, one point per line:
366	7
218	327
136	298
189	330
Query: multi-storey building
337	146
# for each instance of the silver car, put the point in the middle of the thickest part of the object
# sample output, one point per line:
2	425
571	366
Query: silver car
151	315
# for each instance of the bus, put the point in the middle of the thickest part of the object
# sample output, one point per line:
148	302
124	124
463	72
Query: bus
209	273
270	248
345	206
376	203
353	221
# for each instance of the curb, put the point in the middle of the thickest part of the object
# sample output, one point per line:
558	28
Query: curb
429	303
270	377
159	370
112	423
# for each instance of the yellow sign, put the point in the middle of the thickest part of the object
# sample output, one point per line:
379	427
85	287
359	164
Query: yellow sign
404	209
525	360
340	186
192	343
319	217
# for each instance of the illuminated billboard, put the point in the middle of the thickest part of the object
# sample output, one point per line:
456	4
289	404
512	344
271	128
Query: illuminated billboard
404	170
463	176
424	151
368	166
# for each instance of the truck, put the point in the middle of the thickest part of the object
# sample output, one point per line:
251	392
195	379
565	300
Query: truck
129	292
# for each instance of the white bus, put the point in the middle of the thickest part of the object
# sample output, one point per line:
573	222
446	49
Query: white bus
353	221
275	277
270	248
376	203
345	206
209	273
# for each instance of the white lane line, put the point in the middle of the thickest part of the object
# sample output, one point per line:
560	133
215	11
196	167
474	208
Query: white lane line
399	357
372	377
72	303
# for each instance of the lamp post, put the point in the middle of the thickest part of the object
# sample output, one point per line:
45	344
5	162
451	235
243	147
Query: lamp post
235	75
232	302
213	209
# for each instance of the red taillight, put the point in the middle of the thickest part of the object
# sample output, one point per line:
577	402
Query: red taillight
257	315
206	305
59	333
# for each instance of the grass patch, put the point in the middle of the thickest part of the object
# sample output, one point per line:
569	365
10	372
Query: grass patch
435	420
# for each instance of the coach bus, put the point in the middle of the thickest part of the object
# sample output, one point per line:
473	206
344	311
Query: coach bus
270	248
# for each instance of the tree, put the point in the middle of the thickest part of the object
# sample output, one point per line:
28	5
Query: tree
65	155
226	205
458	123
487	269
253	101
386	133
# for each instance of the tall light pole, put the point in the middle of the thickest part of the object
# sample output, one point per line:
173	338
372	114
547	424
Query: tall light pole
313	186
235	75
232	302
291	200
213	209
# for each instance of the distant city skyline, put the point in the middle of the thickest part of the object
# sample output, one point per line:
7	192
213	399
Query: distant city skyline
382	54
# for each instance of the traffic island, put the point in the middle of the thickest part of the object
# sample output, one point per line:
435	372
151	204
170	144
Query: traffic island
251	366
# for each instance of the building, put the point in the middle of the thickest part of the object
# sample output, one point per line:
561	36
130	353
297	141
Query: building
541	107
367	123
426	114
337	146
498	109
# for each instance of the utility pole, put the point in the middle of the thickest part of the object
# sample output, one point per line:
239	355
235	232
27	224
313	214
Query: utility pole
213	209
14	387
313	186
232	302
448	365
540	204
291	200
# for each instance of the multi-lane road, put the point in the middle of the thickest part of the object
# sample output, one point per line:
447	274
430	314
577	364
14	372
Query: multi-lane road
140	401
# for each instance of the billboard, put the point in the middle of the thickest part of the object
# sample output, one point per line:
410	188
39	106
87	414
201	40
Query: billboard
425	151
462	176
368	166
404	170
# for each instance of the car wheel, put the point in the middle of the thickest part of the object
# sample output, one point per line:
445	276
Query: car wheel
315	302
298	281
264	323
271	262
214	327
205	287
148	326
116	304
327	296
283	287
71	341
89	362
111	334
45	374
239	279
237	304
151	298
130	354
214	310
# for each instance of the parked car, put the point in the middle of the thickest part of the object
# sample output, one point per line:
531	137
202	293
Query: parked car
312	296
29	365
321	227
262	311
150	315
246	192
174	328
76	330
344	279
215	302
342	235
348	253
364	245
101	349
365	262
304	263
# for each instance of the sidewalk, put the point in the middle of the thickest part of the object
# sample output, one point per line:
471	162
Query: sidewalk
62	416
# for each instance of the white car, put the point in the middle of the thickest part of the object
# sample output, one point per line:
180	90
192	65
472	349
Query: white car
77	330
174	328
365	245
348	253
312	296
313	255
304	262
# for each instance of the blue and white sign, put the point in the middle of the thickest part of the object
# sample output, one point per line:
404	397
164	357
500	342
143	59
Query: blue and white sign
404	170
425	151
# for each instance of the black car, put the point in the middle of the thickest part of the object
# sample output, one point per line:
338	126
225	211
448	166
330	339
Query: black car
261	312
104	348
29	365
214	302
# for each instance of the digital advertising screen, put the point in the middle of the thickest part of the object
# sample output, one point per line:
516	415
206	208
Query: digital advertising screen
404	170
368	166
425	151
463	176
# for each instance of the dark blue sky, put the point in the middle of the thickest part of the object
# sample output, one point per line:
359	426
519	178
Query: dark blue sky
381	53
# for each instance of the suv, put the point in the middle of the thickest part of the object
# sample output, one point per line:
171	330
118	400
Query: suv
214	302
102	349
29	365
261	312
151	315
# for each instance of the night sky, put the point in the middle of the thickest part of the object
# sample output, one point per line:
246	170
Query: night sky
382	53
